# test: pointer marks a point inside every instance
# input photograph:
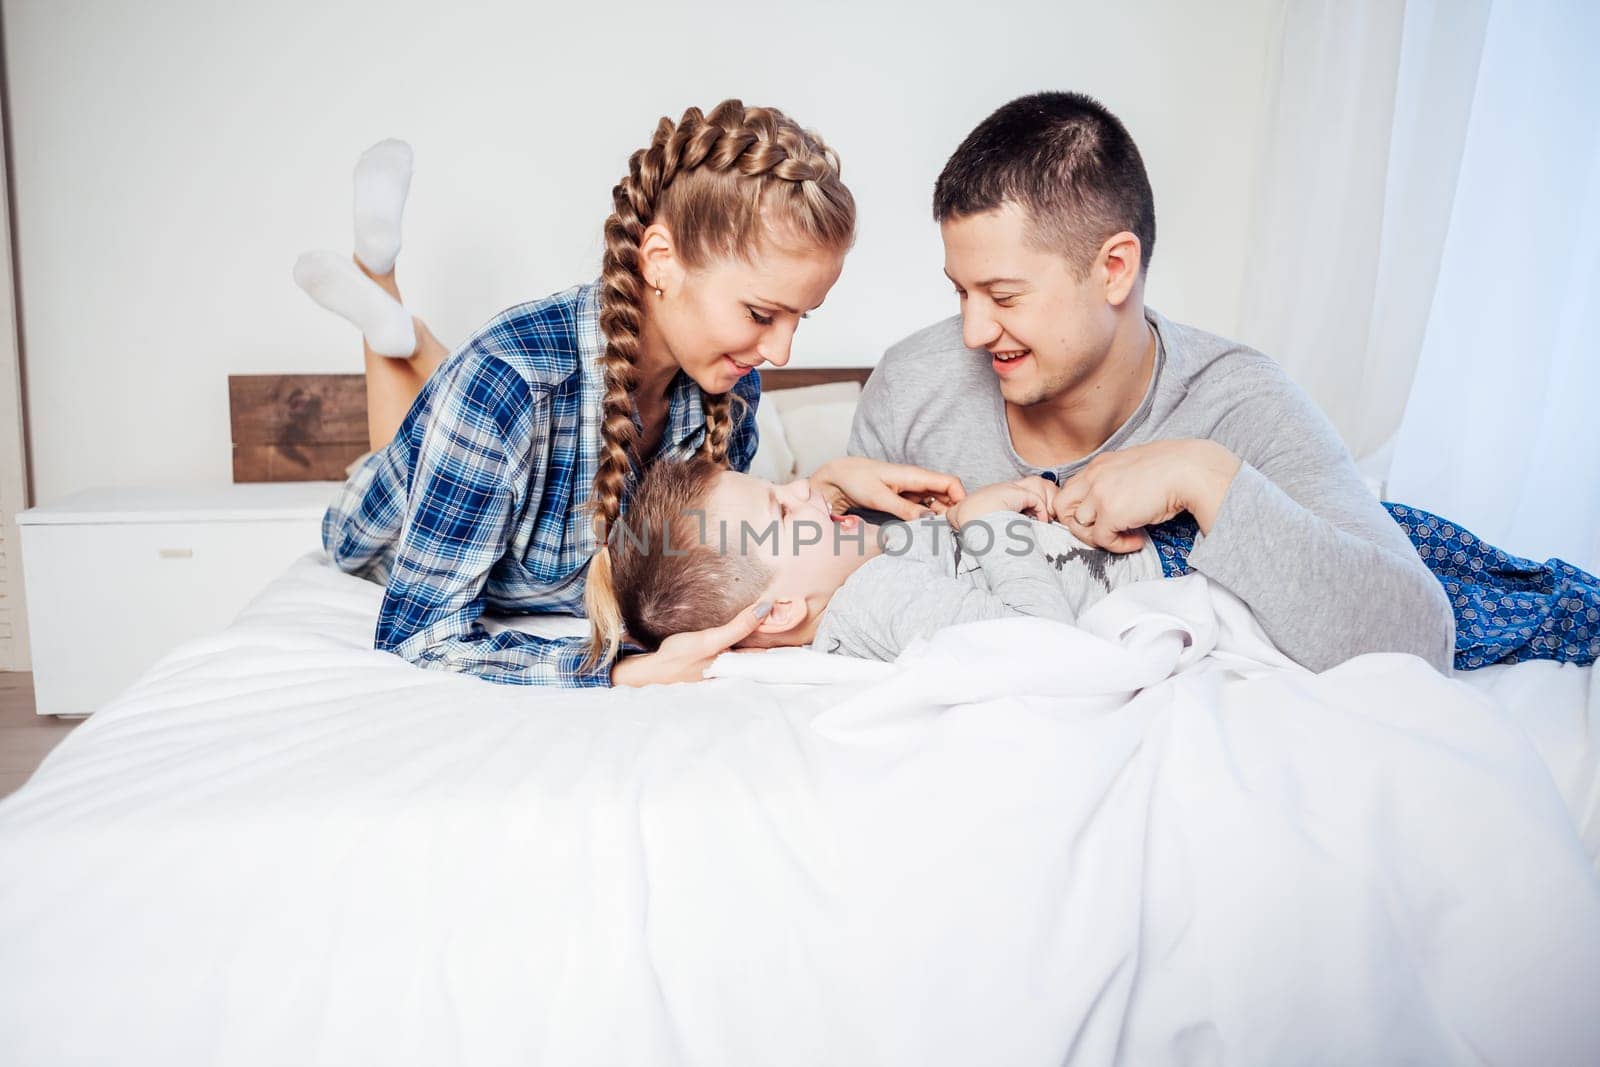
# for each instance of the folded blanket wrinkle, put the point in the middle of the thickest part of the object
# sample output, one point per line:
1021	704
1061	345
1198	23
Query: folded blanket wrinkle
1136	637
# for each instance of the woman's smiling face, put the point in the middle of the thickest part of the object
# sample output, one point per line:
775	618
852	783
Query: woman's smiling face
722	320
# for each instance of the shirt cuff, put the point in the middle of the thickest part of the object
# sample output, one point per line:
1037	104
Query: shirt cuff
574	673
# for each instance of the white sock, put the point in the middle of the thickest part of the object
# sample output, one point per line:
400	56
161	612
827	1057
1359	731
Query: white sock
337	284
382	179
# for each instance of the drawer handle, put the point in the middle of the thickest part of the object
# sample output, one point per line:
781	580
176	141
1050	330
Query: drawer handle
177	553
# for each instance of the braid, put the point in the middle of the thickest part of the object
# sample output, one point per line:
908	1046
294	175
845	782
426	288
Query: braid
769	158
633	205
719	425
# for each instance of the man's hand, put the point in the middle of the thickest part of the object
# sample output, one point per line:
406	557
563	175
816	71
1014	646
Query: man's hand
685	657
1031	496
1108	502
902	490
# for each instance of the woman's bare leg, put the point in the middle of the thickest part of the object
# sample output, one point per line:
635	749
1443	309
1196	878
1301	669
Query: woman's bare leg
406	352
393	383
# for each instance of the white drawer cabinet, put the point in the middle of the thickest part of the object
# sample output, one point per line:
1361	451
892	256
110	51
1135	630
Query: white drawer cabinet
117	578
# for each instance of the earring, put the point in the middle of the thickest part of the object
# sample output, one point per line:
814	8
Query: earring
658	287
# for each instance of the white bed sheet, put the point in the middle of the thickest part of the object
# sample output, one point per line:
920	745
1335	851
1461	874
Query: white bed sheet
1150	841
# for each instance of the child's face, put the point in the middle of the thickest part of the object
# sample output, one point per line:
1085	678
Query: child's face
809	550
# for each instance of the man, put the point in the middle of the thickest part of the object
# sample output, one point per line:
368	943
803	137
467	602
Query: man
1055	367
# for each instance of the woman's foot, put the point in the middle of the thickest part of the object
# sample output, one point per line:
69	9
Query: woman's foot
382	179
338	284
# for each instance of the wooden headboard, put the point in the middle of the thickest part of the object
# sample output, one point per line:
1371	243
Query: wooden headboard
310	427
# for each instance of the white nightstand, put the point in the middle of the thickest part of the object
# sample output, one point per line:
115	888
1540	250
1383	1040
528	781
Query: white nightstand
116	578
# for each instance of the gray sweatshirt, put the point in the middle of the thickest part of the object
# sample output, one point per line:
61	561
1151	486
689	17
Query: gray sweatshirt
999	565
1299	538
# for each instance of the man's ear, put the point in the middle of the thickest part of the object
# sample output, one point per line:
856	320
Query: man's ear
658	258
1119	264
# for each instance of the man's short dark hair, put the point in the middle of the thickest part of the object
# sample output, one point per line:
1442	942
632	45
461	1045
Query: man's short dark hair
1066	161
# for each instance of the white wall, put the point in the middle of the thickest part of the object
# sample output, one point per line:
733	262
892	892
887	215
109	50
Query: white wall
172	159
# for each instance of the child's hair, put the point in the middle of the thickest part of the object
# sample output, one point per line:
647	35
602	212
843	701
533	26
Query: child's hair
725	184
672	576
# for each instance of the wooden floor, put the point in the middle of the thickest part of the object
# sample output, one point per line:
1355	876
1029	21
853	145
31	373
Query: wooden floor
25	738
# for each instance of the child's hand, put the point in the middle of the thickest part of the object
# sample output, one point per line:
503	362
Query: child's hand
1032	496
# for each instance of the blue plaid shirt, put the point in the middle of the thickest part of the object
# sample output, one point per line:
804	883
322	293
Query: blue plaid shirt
477	505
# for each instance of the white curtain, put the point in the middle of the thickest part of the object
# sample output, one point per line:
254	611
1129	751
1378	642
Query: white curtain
1502	431
1424	252
1368	104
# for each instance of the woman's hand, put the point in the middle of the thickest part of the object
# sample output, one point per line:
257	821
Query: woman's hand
1108	502
1031	496
685	657
902	490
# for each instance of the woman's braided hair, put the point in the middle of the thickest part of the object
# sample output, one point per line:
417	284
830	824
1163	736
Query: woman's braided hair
724	184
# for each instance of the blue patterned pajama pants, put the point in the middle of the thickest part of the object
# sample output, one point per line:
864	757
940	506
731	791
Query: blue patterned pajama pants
1508	609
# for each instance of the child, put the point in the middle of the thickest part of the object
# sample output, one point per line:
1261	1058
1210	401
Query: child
701	543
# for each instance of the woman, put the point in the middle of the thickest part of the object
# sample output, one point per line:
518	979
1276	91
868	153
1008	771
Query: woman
501	470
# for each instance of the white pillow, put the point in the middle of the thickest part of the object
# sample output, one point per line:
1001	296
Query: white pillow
816	421
787	400
773	459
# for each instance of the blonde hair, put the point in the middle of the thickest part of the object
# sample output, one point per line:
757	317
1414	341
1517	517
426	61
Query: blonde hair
724	184
672	576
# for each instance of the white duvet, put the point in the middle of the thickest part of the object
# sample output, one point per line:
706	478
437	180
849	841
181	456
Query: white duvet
1150	841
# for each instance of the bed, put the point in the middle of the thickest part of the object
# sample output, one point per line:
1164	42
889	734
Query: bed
1155	844
1149	840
